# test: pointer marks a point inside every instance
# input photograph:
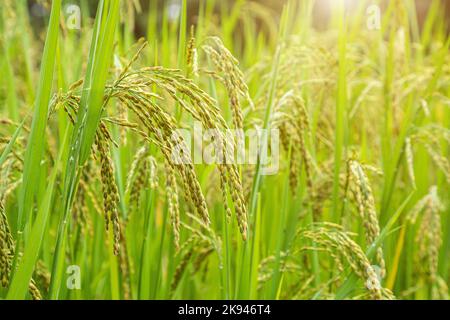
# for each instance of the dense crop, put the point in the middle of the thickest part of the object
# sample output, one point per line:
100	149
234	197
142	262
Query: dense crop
102	197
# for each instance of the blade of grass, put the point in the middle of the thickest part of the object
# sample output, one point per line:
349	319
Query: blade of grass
341	106
36	143
22	276
10	144
257	180
100	56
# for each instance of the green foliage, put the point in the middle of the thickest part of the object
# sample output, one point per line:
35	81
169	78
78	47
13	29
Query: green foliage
359	208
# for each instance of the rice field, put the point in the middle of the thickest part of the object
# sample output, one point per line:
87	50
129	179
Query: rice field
321	170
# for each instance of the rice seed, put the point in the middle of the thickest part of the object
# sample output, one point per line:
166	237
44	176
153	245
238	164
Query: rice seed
181	268
333	238
429	137
110	192
7	253
162	128
80	210
153	174
366	208
227	67
441	161
125	267
42	275
34	291
192	55
174	208
6	247
291	117
137	160
429	240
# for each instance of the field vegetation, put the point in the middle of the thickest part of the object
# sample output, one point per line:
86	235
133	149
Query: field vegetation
93	206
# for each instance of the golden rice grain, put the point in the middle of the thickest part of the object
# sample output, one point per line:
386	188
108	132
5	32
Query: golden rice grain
333	238
366	208
110	192
429	240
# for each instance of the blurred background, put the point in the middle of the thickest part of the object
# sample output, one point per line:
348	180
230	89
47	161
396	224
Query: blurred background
322	8
171	8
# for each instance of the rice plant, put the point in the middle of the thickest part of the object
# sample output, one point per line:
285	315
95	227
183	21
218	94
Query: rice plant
107	191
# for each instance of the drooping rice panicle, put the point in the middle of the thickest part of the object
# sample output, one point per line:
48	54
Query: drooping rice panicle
110	192
357	98
429	240
367	210
227	67
336	240
7	252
